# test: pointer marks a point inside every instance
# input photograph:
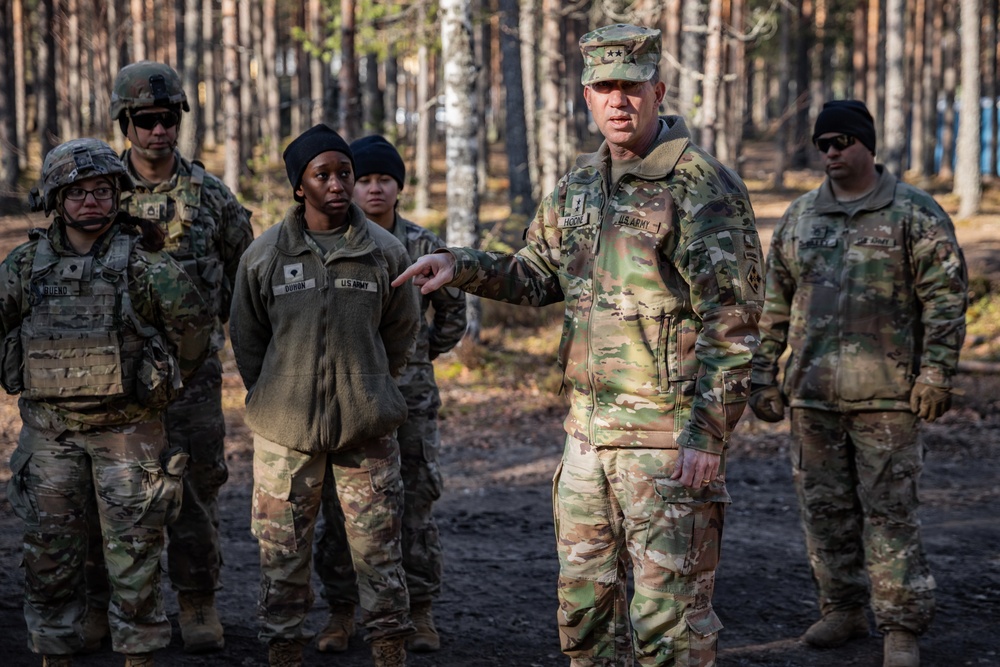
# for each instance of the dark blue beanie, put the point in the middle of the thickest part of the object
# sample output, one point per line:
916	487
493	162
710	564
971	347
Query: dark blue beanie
317	139
849	117
375	155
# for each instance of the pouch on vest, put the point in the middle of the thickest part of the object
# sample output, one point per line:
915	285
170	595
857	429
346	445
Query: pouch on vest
158	380
12	362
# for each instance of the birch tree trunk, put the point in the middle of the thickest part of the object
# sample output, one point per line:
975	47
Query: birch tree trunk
968	174
461	119
894	136
191	125
231	96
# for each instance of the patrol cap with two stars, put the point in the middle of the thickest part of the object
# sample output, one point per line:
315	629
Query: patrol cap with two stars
620	52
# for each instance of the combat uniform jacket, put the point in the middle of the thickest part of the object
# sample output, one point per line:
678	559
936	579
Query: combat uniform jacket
868	303
39	301
661	275
207	230
436	337
319	337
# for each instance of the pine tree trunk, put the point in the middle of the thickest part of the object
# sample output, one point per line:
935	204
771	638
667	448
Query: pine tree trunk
316	78
248	131
894	136
138	30
425	111
919	126
713	73
350	97
515	135
948	83
48	128
231	96
10	169
210	113
548	126
20	92
529	67
693	12
188	140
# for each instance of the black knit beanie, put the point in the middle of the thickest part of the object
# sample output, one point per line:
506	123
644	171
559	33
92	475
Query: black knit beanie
375	155
849	117
317	139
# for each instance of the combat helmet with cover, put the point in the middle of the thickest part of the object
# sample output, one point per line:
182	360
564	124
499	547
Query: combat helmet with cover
73	161
146	84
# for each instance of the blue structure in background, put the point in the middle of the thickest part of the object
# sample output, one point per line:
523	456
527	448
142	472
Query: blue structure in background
986	111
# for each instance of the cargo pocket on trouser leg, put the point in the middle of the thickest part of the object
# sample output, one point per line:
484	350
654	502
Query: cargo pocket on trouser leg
17	488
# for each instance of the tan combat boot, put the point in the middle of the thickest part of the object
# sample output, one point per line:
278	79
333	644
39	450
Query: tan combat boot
56	661
95	629
836	628
426	638
900	649
284	653
200	625
339	629
389	652
139	660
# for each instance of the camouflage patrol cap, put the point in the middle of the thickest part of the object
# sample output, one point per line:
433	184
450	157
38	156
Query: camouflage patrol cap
146	84
74	161
620	52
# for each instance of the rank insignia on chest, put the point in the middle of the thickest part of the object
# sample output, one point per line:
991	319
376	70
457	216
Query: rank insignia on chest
293	272
578	204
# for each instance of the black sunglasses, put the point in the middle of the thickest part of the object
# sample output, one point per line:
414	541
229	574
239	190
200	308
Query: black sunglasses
148	121
839	141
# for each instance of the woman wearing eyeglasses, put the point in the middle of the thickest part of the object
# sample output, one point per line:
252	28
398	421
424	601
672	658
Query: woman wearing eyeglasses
98	329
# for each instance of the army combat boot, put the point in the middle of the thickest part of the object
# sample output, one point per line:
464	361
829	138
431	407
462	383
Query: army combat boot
139	660
284	653
95	629
56	661
336	635
200	625
426	638
389	652
900	649
836	628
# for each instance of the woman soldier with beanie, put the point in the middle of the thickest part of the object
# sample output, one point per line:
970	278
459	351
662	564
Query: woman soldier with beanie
319	336
98	329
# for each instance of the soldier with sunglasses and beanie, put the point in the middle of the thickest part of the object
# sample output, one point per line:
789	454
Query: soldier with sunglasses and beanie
206	231
867	285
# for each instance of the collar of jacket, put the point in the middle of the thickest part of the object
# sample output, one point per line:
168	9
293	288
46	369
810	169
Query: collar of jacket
60	241
659	162
883	194
292	240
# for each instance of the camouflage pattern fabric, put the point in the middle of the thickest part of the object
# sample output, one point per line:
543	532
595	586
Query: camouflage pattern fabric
616	505
286	502
146	84
856	477
162	296
620	52
73	161
868	303
419	444
663	286
207	232
54	476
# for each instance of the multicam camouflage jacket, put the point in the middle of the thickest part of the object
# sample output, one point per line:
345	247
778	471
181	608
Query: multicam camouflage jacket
868	302
442	333
162	296
661	275
207	230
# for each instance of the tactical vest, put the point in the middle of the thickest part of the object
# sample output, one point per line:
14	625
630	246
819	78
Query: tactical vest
81	338
176	212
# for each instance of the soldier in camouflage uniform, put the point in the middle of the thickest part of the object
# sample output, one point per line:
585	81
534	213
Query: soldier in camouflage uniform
319	336
652	245
207	231
380	175
867	285
98	329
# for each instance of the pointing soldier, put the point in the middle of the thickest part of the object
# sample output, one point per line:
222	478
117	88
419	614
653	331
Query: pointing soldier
652	245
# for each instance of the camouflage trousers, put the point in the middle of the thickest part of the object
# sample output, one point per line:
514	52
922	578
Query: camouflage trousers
195	425
286	502
856	476
615	507
419	443
55	477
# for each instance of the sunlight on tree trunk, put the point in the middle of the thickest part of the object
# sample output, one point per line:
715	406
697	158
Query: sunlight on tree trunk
968	175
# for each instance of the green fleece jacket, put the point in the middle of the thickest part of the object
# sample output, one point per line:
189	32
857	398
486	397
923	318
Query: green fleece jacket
319	337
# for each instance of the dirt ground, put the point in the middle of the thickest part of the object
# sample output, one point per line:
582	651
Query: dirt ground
498	606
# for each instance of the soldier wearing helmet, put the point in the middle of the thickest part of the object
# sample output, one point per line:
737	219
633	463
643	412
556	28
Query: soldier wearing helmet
99	327
207	231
